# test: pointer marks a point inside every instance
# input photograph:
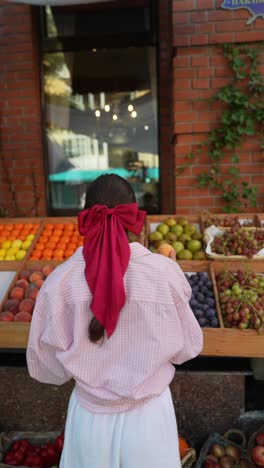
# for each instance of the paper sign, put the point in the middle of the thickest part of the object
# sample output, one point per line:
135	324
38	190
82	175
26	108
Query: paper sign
255	7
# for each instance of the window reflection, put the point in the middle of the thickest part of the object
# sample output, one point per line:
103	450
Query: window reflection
101	116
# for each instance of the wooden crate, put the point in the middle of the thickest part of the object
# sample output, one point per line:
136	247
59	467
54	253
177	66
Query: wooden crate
243	217
230	341
154	220
260	220
203	266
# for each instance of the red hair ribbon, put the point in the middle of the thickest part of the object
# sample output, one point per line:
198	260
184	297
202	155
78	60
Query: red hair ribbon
106	253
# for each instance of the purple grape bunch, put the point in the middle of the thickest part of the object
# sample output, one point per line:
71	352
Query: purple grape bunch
202	301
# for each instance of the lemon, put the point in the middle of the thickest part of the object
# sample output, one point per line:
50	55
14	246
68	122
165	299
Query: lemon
1	259
16	243
20	254
6	244
30	237
10	258
26	244
2	252
12	251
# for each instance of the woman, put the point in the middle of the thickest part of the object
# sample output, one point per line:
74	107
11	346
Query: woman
115	318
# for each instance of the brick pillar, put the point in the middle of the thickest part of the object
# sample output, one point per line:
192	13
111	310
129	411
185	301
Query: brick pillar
22	181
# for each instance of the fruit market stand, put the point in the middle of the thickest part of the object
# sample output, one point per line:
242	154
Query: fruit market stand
218	341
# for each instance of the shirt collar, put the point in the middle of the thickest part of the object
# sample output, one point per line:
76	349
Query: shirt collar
138	250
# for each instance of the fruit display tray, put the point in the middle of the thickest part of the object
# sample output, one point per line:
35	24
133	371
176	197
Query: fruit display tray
215	256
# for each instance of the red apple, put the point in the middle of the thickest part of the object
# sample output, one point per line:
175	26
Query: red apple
260	439
257	455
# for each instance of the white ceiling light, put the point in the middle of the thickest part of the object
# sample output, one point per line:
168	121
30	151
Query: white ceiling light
130	108
134	114
107	108
97	113
114	117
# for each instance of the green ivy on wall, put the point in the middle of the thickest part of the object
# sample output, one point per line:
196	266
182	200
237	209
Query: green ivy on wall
243	116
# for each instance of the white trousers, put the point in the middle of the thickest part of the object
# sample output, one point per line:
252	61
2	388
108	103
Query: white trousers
145	437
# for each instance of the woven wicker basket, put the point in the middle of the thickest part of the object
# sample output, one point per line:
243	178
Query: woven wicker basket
252	442
34	438
222	440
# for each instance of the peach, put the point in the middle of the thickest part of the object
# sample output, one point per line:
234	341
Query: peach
38	283
6	317
24	274
35	276
27	305
31	292
17	293
22	317
12	305
47	269
22	283
166	249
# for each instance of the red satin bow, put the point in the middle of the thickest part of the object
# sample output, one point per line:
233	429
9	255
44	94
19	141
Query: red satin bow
106	253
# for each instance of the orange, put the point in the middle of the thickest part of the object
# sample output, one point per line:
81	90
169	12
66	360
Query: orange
47	252
19	226
8	227
183	446
36	254
40	247
58	252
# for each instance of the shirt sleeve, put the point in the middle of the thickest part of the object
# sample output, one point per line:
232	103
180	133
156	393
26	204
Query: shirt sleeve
191	330
50	335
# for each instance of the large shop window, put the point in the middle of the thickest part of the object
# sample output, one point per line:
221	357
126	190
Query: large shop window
100	100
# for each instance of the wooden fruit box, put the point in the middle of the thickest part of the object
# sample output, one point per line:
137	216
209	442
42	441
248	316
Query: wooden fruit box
15	264
154	220
230	341
242	217
203	266
260	219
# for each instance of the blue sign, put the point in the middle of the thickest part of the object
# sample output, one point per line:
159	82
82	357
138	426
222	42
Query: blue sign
255	7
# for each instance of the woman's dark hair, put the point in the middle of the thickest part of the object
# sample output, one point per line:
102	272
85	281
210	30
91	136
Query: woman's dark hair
109	190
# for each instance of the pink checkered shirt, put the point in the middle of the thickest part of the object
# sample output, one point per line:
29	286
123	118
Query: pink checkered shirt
156	328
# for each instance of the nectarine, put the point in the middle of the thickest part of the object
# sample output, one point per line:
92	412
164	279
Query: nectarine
24	274
36	275
22	317
38	283
165	249
17	293
22	283
7	317
47	269
11	305
27	305
31	292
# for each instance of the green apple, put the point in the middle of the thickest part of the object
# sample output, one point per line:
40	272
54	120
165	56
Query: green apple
178	246
170	222
190	229
184	238
200	255
182	221
155	236
170	236
184	255
163	228
194	245
177	229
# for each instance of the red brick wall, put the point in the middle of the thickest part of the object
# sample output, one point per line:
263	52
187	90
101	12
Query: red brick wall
21	152
190	28
199	70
